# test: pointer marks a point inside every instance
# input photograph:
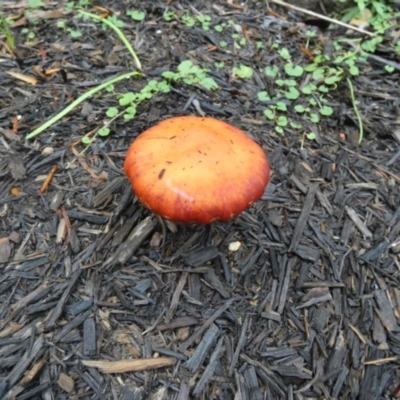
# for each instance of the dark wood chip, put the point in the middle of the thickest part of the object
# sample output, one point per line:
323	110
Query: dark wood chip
305	212
200	256
56	312
298	297
208	340
209	371
89	337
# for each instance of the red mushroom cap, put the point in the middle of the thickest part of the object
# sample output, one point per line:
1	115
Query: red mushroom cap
194	169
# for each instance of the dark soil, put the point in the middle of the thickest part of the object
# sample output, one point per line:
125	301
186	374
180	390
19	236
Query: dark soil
297	298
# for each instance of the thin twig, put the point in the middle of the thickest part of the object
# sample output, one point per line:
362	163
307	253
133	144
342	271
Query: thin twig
314	14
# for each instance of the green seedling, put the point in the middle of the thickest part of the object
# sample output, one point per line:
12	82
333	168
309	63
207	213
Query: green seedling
112	20
263	96
272	72
281	106
309	35
299	108
310	136
112	112
381	14
269	114
74	33
286	82
191	75
136	15
289	88
205	21
169	15
292	93
326	72
295	125
308	89
260	45
243	71
78	4
104	131
389	68
35	4
219	28
188	20
238	40
294	70
284	53
281	121
326	111
30	35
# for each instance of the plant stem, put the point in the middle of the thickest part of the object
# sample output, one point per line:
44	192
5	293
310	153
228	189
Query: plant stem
6	31
353	100
79	100
120	35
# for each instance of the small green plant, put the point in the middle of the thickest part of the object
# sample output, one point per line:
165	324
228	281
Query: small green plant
188	20
75	33
259	45
169	15
272	72
378	14
6	31
114	20
78	4
307	101
389	68
35	4
309	136
263	96
136	15
238	40
30	35
191	75
243	71
205	21
294	70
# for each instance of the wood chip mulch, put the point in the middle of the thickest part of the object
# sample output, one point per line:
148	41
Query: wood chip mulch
297	298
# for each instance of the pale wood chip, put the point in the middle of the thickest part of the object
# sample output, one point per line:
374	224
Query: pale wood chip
143	364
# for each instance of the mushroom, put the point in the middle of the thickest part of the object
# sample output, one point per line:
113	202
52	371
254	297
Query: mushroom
195	169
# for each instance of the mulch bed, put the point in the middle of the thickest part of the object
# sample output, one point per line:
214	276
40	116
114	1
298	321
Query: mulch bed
297	298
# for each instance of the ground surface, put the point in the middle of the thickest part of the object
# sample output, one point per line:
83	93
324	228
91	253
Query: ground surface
297	298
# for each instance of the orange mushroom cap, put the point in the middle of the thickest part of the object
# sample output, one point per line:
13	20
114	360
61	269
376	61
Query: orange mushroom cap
194	169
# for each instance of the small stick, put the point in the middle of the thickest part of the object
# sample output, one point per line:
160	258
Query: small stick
314	14
48	179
